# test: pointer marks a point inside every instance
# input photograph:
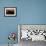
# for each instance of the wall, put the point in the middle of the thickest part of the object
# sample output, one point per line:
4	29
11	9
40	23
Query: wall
28	12
33	12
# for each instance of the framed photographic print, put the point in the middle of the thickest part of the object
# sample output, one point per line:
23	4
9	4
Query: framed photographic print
10	11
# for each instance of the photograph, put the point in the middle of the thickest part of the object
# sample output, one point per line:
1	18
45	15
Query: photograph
29	34
10	11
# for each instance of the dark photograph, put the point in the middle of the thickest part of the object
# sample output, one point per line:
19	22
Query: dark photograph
10	11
